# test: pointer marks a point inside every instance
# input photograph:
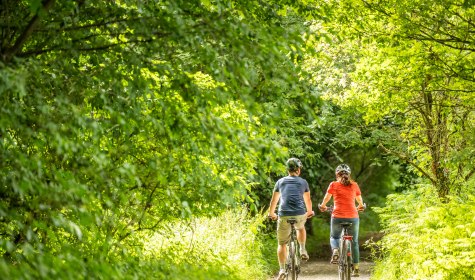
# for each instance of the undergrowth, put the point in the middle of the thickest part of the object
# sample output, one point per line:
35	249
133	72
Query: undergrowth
231	246
425	238
226	247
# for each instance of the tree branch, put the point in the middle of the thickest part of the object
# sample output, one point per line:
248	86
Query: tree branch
96	24
97	48
444	42
11	52
409	161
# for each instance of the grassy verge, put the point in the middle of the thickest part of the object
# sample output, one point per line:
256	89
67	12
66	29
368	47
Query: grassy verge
231	246
226	247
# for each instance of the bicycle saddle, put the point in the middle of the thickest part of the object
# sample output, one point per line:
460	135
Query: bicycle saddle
292	221
346	224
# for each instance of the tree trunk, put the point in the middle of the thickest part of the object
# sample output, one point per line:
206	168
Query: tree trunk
435	121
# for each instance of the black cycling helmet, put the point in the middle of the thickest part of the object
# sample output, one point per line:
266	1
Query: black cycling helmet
293	164
342	167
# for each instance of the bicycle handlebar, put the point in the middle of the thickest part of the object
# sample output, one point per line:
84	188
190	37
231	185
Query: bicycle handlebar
364	208
308	217
311	215
331	208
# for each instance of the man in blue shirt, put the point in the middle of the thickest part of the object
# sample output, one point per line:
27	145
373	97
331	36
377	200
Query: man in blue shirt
295	202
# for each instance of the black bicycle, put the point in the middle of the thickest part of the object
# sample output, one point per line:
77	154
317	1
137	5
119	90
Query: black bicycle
345	261
292	264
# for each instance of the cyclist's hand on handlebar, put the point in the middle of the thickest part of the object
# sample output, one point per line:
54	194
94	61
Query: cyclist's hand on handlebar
310	214
361	207
272	216
322	208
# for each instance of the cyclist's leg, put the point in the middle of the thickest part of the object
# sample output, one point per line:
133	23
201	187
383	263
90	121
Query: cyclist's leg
302	235
282	255
283	237
354	230
335	230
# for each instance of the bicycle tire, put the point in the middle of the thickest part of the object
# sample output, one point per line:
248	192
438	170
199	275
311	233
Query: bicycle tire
341	261
288	267
344	265
293	260
297	262
349	259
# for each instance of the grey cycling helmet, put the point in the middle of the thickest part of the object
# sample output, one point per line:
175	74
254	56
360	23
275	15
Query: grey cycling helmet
293	164
343	167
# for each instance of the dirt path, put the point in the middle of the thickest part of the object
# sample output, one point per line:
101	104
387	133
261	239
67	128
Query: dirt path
320	270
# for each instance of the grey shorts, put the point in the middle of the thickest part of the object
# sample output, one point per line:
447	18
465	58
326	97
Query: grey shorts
283	228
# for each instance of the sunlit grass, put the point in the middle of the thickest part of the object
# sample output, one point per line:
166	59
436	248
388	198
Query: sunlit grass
210	248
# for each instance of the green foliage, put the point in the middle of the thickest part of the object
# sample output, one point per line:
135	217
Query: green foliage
122	120
227	246
425	238
119	119
402	74
405	66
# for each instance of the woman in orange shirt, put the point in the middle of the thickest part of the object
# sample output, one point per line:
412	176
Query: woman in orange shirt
344	192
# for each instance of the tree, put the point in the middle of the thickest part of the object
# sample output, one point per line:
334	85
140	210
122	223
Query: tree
120	117
410	63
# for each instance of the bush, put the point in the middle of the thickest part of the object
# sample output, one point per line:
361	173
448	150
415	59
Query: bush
427	239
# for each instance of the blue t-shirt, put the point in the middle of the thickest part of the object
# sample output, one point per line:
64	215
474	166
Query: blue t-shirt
291	190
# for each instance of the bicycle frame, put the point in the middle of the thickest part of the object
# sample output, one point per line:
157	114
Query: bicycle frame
345	262
292	267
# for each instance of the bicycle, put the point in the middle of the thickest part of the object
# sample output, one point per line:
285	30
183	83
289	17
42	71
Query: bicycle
345	261
292	263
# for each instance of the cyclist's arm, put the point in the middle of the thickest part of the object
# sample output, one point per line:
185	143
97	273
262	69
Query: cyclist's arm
323	206
327	198
359	199
308	203
273	204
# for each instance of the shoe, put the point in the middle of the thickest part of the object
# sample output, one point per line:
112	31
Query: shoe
355	273
335	256
304	255
281	275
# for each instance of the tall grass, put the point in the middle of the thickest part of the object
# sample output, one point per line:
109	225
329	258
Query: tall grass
427	239
224	247
230	246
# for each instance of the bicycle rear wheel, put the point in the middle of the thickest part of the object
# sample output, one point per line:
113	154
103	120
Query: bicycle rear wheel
344	265
293	261
349	260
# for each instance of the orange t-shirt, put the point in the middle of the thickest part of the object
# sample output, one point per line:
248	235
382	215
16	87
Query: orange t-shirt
344	199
